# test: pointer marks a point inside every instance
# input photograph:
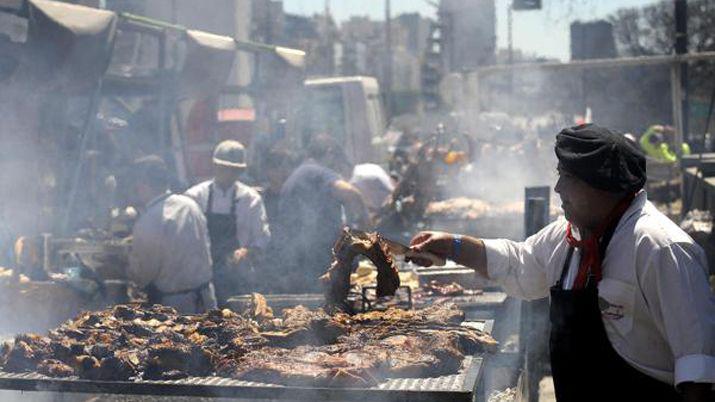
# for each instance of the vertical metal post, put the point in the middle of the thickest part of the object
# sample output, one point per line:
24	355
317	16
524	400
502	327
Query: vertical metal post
471	107
87	135
510	56
533	326
388	57
681	47
677	99
163	84
510	31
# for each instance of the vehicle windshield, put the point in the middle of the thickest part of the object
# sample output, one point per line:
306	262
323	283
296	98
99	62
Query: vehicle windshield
326	112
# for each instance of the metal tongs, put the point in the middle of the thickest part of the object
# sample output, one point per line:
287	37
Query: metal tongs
398	248
401	249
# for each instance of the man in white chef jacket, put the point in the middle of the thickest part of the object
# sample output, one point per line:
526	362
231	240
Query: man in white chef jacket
236	219
632	315
170	255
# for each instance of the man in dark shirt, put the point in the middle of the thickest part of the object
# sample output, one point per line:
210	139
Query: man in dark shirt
280	162
310	213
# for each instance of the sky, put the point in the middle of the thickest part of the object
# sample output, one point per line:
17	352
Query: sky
542	32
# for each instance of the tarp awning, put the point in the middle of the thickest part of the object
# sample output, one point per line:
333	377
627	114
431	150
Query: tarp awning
69	45
208	62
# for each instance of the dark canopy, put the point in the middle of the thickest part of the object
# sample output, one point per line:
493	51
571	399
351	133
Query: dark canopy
68	45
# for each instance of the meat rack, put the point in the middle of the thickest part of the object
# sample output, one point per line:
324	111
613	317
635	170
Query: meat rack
460	387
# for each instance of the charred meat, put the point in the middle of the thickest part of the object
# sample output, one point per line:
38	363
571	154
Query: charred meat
303	347
436	288
346	249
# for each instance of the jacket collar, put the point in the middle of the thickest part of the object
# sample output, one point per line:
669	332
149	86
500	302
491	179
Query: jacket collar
634	210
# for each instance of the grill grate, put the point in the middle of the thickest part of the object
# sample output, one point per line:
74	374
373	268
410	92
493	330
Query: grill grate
456	387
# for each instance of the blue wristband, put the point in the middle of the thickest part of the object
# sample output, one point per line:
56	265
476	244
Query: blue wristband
456	246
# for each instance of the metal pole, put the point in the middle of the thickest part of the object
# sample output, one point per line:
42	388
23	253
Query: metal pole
87	134
164	81
510	32
388	57
602	63
681	47
533	327
710	115
510	55
677	99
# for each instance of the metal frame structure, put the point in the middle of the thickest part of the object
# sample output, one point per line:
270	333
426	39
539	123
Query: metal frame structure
166	79
675	61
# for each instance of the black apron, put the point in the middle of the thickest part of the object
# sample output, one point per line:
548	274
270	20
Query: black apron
224	241
222	230
584	365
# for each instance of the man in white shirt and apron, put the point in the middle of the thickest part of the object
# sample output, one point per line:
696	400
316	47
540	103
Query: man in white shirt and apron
632	315
170	255
237	222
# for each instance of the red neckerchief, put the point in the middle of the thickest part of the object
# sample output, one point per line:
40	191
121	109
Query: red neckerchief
590	255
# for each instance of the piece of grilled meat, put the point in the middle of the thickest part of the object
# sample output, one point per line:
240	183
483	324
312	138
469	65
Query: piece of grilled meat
348	246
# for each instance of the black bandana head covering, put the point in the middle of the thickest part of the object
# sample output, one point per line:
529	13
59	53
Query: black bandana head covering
604	159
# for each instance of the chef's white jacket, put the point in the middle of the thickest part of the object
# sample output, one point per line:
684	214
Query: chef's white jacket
170	249
657	307
252	228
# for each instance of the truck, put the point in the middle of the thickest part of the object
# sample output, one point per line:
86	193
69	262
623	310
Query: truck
347	108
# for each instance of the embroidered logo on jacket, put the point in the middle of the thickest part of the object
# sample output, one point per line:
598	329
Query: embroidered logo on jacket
610	310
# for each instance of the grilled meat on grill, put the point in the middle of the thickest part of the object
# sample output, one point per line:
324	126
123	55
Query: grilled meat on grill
301	326
306	347
54	368
374	348
302	366
440	289
346	249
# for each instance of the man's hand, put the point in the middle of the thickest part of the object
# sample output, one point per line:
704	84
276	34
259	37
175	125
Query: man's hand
354	204
239	255
470	253
438	243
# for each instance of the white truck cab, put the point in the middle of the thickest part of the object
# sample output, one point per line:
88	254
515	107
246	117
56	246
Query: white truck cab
347	108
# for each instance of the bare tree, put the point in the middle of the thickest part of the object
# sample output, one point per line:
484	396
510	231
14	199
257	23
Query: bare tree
651	31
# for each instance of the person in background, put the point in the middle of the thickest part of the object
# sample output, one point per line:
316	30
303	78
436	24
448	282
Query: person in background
374	183
237	222
632	316
265	141
310	213
657	142
170	255
280	162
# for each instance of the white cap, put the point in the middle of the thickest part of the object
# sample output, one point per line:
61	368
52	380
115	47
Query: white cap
230	153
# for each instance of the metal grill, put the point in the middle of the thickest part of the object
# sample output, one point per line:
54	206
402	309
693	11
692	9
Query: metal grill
456	387
487	299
